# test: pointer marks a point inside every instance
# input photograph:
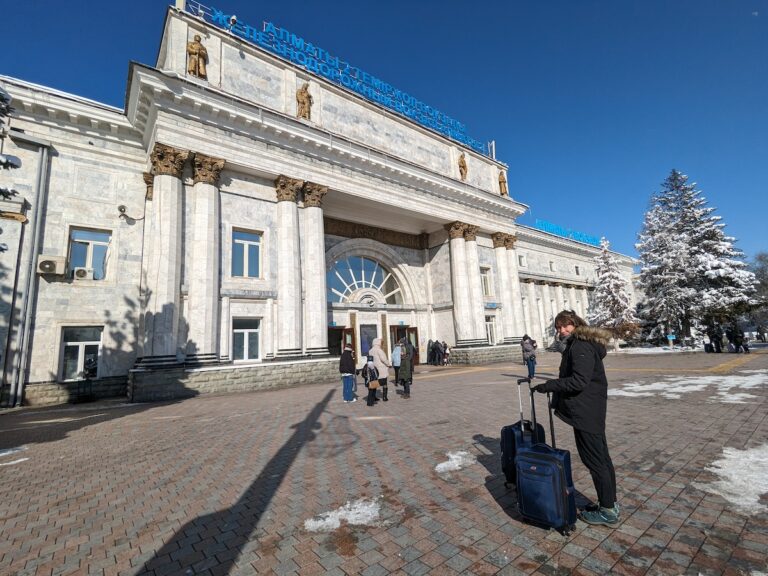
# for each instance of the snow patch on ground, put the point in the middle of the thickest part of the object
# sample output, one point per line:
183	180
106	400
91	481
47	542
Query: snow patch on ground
12	462
655	350
359	513
742	478
674	387
9	451
456	461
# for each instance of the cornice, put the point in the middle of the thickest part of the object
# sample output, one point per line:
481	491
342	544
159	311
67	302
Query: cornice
156	90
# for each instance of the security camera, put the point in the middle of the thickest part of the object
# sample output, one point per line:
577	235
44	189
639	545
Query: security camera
122	208
232	20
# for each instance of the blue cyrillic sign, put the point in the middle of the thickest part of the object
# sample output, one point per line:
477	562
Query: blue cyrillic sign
314	59
566	232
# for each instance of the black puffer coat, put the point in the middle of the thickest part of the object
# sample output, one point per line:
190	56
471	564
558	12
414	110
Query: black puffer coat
581	391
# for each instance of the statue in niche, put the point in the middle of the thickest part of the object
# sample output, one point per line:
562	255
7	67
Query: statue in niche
303	102
463	167
503	184
197	56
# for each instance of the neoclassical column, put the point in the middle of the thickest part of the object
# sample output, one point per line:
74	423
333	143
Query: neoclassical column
203	277
477	302
460	285
559	299
534	329
315	298
572	298
289	313
583	302
529	327
162	260
507	314
520	325
549	313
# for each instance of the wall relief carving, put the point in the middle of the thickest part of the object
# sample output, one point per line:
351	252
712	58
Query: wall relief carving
197	57
463	167
304	102
391	237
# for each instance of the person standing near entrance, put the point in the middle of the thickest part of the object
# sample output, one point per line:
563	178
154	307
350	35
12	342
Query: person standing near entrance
382	366
406	369
396	359
347	370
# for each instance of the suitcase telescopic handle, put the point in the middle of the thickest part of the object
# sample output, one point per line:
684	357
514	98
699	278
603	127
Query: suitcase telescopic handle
533	407
520	399
551	421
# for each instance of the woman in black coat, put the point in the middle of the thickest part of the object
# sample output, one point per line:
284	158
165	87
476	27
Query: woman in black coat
580	400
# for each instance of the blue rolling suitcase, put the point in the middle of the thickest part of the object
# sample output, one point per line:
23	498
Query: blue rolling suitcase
516	435
545	492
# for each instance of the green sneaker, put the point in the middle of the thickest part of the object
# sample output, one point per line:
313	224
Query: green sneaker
603	516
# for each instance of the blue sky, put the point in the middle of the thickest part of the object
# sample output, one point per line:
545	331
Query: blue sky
591	102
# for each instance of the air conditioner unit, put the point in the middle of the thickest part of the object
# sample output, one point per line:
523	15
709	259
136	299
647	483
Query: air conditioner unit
83	274
51	264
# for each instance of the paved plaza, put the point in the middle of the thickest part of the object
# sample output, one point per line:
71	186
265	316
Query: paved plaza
295	481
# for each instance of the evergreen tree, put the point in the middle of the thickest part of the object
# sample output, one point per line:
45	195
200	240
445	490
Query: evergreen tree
611	306
691	271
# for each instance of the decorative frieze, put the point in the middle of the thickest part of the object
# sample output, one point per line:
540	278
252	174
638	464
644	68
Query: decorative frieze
346	229
313	194
456	229
207	169
287	189
149	181
168	161
470	232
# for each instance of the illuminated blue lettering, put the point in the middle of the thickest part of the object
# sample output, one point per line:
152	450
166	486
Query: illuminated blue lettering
219	18
270	28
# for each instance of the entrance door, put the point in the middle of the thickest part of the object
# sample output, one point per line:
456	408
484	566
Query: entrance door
412	334
348	337
335	341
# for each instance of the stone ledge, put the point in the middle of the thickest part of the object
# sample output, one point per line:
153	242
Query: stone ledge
487	354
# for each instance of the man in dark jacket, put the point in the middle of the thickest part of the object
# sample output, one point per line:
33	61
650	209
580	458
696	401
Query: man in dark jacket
580	400
347	370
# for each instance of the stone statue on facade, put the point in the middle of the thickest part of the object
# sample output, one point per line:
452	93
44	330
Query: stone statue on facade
503	184
303	102
197	57
463	167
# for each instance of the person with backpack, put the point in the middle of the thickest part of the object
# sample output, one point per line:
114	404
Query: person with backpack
580	400
529	354
347	371
371	380
382	366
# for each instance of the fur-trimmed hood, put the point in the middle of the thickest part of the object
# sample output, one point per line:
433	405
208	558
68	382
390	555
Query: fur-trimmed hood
592	334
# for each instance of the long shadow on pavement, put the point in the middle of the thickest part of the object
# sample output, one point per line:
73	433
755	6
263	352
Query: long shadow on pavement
215	541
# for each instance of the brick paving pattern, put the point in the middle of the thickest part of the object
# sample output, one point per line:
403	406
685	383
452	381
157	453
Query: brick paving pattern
223	484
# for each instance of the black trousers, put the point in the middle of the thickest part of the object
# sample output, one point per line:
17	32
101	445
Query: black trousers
593	451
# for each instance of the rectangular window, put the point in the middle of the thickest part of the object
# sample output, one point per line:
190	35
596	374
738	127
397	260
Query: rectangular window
490	329
80	352
245	338
578	272
521	261
246	254
487	280
88	252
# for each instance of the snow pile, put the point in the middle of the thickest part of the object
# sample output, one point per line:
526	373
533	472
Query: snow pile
12	462
674	387
360	513
456	461
743	478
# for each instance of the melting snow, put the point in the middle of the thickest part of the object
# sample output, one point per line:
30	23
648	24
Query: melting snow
456	461
12	462
359	512
743	478
9	451
675	386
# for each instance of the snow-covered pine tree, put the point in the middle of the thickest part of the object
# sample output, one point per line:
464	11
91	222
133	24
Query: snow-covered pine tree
611	307
690	268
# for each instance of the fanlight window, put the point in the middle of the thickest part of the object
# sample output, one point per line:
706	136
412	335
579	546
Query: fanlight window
361	280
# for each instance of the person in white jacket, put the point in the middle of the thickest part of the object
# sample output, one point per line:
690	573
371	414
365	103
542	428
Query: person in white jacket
382	365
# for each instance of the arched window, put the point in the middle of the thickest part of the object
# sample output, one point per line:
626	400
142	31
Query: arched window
357	279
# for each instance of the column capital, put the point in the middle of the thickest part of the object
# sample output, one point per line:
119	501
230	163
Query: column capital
509	241
470	232
455	229
207	169
167	160
149	181
499	239
287	189
313	194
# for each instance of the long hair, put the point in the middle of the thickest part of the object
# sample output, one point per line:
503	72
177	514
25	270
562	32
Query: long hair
569	317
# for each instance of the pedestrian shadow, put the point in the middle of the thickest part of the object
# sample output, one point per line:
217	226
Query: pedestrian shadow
217	539
505	495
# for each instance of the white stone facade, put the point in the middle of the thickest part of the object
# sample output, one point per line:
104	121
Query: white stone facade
235	213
